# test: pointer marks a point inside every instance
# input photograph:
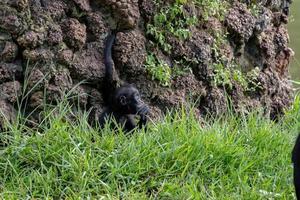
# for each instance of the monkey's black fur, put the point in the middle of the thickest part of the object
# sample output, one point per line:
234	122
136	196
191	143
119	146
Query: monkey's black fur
296	162
108	61
123	102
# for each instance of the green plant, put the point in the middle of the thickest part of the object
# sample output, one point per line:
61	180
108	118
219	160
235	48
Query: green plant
252	82
228	75
182	67
77	13
212	8
161	71
222	76
255	7
227	72
171	20
158	70
177	158
240	78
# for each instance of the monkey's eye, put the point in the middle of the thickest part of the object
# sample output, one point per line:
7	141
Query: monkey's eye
123	100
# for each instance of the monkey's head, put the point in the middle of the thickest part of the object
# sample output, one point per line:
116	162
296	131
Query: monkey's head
127	100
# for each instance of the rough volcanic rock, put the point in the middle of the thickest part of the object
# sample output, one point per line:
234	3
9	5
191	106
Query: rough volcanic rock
74	33
65	57
8	52
95	98
56	9
126	11
62	79
168	98
39	54
36	100
240	21
279	19
215	102
11	21
10	72
276	92
83	4
130	52
60	43
10	91
20	5
147	9
31	39
94	114
96	101
197	50
270	50
8	114
96	24
155	114
54	94
263	21
88	63
193	89
55	35
36	79
282	61
184	88
81	94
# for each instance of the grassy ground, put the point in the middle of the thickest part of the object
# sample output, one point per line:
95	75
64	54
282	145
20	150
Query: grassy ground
229	158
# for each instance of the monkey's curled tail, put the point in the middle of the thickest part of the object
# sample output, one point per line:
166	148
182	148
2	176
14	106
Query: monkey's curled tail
108	61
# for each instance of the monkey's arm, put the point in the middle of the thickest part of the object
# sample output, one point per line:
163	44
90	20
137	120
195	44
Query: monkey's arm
108	61
296	162
143	116
104	117
130	123
296	152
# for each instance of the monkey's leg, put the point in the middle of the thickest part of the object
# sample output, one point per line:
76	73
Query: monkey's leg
129	123
297	180
104	117
143	116
296	162
143	121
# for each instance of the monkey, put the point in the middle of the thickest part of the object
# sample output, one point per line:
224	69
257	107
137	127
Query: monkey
296	162
123	102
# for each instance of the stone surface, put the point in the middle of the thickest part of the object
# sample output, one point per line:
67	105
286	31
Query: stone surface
240	21
60	44
74	33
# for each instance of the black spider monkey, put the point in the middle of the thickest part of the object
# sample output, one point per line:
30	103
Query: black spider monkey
123	102
296	162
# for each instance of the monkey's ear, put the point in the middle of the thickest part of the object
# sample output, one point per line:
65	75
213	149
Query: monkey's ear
123	100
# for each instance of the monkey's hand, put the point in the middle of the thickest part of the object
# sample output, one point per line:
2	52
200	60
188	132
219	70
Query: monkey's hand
143	116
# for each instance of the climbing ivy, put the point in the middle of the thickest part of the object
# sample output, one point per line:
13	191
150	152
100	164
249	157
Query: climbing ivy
171	20
158	69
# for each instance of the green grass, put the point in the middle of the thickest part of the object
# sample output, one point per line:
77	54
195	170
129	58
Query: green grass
178	158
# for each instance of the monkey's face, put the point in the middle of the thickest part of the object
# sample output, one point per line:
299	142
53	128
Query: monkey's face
128	100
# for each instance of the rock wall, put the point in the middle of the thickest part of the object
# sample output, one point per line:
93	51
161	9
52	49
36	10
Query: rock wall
52	47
